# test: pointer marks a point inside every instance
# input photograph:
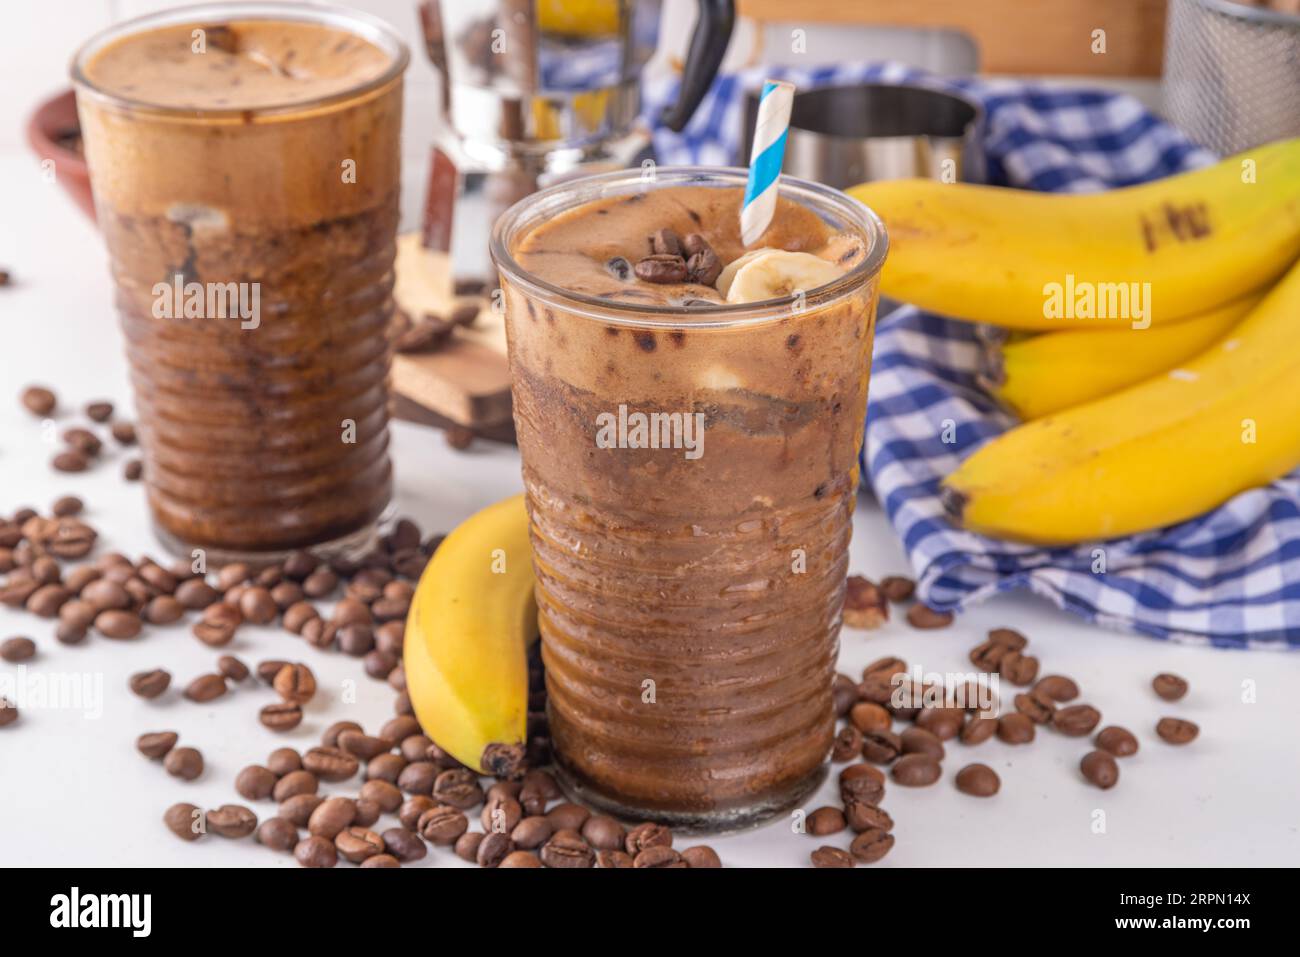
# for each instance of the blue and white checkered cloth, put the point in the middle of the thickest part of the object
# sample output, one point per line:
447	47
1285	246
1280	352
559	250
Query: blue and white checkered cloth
1229	578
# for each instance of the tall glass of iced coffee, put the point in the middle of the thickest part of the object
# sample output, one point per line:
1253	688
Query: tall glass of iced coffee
690	415
244	159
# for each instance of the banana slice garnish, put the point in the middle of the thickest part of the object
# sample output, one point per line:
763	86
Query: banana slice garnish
775	273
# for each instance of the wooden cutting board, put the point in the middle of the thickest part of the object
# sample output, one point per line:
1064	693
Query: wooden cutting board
467	381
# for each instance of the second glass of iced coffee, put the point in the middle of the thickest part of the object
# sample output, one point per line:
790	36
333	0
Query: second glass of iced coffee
690	445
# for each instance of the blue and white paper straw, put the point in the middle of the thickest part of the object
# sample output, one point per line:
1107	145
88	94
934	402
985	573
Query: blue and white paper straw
765	161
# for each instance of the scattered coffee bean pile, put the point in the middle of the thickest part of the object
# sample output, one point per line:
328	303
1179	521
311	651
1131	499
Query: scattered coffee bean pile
82	447
866	604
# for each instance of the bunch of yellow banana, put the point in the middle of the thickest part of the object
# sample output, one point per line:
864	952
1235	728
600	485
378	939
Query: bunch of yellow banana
472	619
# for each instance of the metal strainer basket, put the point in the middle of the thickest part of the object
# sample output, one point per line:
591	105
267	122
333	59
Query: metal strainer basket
1232	73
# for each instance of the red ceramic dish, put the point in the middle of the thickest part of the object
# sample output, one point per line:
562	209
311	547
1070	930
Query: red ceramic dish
48	131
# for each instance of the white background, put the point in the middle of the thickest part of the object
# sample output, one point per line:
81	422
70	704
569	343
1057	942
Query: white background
74	790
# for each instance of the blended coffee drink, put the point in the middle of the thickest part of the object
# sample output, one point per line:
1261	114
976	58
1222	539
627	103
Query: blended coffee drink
244	159
690	415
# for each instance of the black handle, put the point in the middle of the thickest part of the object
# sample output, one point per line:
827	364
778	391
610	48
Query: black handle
712	34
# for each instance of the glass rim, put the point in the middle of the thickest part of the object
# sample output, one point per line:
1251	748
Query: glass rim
357	22
557	198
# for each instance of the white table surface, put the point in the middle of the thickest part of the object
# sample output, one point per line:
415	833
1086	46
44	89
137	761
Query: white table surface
75	791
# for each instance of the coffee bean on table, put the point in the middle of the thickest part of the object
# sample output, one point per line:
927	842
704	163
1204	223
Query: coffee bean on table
218	624
613	859
943	723
988	656
466	846
1099	768
458	787
277	833
163	610
255	783
1076	720
501	814
356	844
922	741
185	821
330	737
184	763
871	845
568	816
331	816
330	764
1117	741
1057	688
315	851
293	783
567	849
915	770
206	688
196	594
283	761
232	668
363	746
1019	669
601	832
38	400
100	410
881	746
861	787
978	729
532	832
978	780
1169	687
299	808
920	615
658	857
156	744
232	820
493	849
897	588
861	816
1037	707
295	683
283	716
847	744
646	835
1176	730
1008	638
869	716
17	649
117	624
123	432
404	844
1015	728
824	821
827	856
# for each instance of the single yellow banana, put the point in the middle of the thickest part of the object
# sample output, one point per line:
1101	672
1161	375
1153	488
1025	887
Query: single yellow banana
1043	374
1054	262
467	634
1160	452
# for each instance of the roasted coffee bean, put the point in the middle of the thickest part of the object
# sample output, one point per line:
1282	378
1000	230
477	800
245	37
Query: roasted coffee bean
1017	668
331	816
99	411
1057	688
196	594
915	770
206	688
978	780
661	269
156	744
825	820
330	737
363	746
922	741
218	625
827	856
284	761
1076	720
283	716
1038	708
257	606
330	764
703	267
1099	768
83	440
920	615
255	783
1015	728
520	859
1169	687
299	565
286	595
844	693
297	615
123	432
1008	638
295	683
414	747
1117	741
368	813
658	857
184	763
294	783
235	573
381	860
163	610
46	601
600	831
380	664
185	821
701	857
847	744
978	729
568	816
350	611
869	716
120	625
1176	730
532	832
871	845
316	851
493	849
320	583
356	844
277	833
404	844
861	816
943	723
897	589
386	767
466	846
232	820
299	808
150	684
862	789
419	777
38	400
501	814
132	470
611	859
232	668
864	603
881	747
356	639
666	242
566	848
988	656
647	835
458	787
17	649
